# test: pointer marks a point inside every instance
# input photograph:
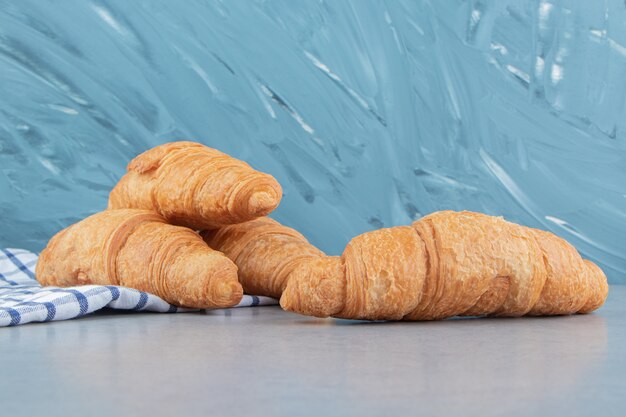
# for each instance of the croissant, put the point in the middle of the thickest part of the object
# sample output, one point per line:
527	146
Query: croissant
446	264
138	249
265	251
192	185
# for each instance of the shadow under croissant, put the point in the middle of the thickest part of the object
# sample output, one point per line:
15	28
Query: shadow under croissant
317	321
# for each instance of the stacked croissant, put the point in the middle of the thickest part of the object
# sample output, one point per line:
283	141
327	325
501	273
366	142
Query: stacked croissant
187	223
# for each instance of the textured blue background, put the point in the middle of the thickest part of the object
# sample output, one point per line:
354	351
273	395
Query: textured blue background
369	113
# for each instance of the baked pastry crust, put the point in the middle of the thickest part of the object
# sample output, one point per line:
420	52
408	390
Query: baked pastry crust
265	251
138	249
443	265
192	185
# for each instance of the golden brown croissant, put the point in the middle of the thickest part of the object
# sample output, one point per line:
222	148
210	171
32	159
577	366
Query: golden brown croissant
192	185
446	264
265	251
138	249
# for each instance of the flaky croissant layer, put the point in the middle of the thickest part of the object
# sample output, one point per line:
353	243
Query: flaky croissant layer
138	249
446	264
192	185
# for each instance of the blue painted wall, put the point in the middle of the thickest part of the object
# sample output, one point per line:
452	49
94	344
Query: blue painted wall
369	113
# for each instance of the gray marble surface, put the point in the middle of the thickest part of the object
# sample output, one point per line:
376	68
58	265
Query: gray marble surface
263	361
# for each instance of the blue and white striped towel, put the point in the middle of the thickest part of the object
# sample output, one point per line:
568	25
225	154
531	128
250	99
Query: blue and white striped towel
23	300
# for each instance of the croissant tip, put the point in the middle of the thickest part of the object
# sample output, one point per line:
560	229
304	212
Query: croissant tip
286	303
227	294
261	203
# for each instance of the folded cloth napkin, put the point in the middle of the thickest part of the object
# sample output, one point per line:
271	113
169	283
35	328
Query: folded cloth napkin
24	300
